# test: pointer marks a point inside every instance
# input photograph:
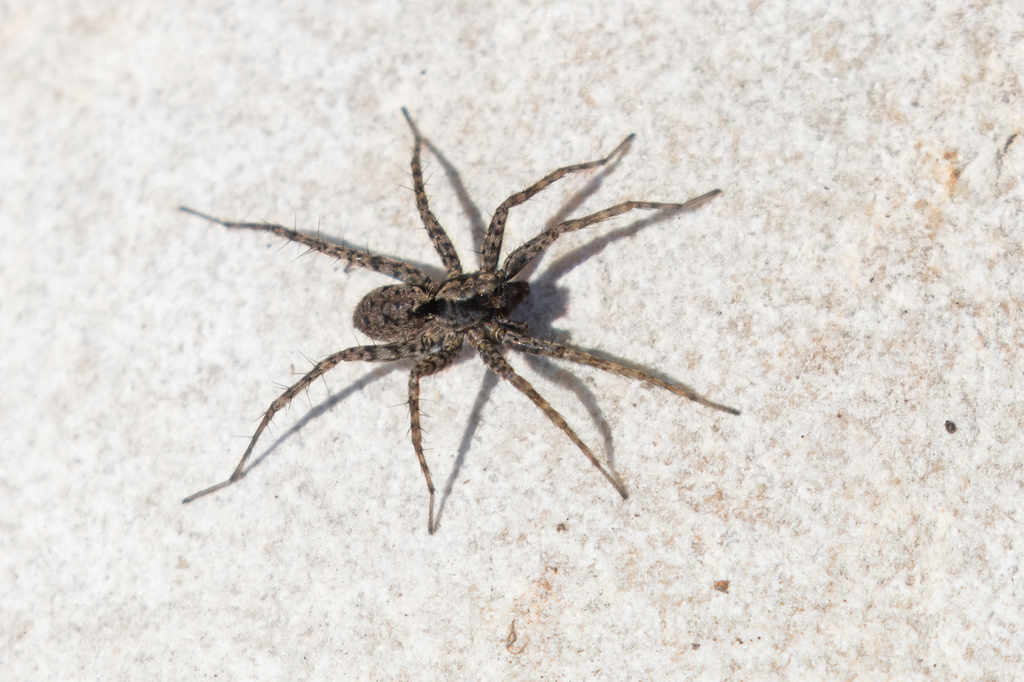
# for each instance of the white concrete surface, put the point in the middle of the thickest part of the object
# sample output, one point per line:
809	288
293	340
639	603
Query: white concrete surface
858	285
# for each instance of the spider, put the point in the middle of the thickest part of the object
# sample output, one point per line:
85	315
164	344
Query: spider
427	321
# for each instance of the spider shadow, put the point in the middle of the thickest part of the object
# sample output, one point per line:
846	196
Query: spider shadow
568	262
322	408
548	302
478	227
476	221
541	365
539	309
490	380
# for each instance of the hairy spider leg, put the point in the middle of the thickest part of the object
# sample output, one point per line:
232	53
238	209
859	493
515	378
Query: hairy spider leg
534	346
438	236
425	367
496	231
521	257
382	264
497	364
357	354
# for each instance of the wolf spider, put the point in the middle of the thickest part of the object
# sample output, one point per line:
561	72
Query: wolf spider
427	321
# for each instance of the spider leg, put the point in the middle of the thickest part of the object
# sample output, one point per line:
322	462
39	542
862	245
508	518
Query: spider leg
534	346
382	264
521	257
357	354
497	364
496	231
425	367
442	244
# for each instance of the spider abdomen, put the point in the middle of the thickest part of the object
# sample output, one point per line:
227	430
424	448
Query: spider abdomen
392	313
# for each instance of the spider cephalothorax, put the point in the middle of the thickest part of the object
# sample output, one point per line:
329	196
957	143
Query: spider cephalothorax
427	321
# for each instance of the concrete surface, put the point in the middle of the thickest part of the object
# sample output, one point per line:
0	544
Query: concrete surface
857	286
